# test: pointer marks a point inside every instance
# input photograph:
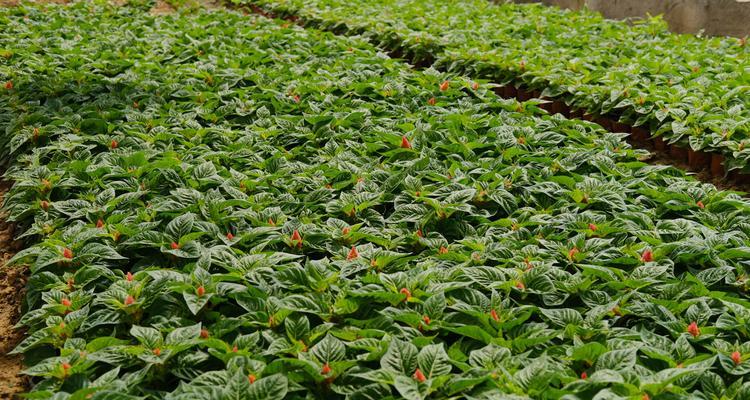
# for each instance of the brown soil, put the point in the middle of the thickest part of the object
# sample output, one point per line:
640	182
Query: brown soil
703	175
162	8
12	291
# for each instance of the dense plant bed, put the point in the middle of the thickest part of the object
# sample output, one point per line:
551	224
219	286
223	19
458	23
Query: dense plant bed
686	89
217	206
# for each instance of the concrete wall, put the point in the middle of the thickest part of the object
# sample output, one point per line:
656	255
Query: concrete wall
714	17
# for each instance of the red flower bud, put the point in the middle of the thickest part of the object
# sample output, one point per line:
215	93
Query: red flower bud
475	86
296	236
593	227
129	277
65	366
405	143
251	378
200	291
494	315
296	98
419	376
700	205
520	285
326	369
44	204
129	300
584	375
235	349
647	256
9	85
444	86
67	253
419	233
230	236
174	245
693	329
113	144
204	333
736	357
353	254
406	292
157	351
443	250
572	253
426	319
296	239
346	230
431	101
66	302
271	222
99	223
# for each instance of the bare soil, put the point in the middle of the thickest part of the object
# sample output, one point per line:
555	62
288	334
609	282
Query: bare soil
162	8
165	8
704	175
12	291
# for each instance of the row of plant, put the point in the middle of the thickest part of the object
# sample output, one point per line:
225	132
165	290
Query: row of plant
689	90
219	206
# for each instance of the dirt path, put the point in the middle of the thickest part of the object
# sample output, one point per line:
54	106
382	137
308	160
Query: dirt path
12	291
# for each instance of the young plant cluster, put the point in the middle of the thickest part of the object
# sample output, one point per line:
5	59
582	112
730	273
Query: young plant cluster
220	206
686	89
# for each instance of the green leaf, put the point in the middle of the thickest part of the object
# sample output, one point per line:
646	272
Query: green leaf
180	226
183	335
329	349
401	357
149	337
433	361
408	388
618	360
267	388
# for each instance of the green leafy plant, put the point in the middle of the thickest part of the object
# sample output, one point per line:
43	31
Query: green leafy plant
222	206
689	90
